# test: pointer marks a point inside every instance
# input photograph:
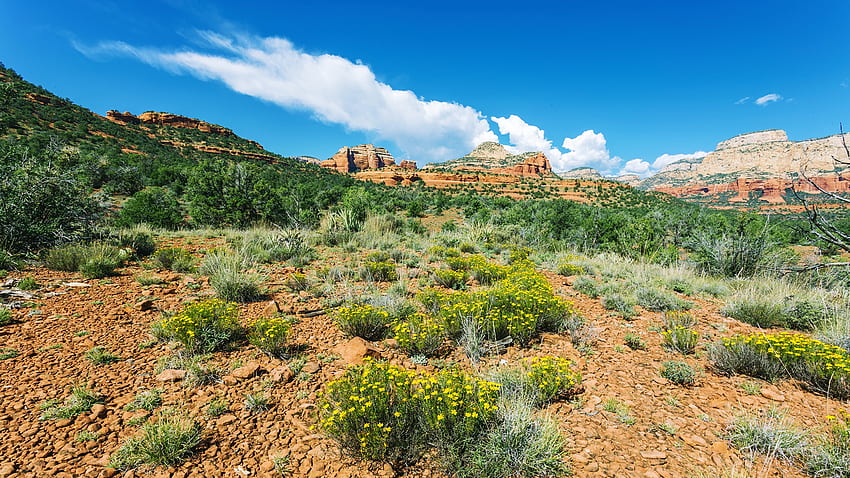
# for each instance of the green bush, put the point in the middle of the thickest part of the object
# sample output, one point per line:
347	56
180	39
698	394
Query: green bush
65	258
620	303
680	339
167	442
831	454
80	401
768	433
419	334
270	334
100	356
540	379
155	206
174	259
202	327
28	283
362	320
678	372
147	400
101	261
225	270
268	246
449	278
658	301
634	342
140	241
378	271
5	316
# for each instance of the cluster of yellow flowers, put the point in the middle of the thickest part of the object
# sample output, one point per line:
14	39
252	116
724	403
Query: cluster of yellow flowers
552	377
377	409
199	325
823	359
362	320
419	334
567	268
270	334
680	338
450	278
519	306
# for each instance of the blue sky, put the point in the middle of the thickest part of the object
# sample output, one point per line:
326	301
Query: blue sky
619	86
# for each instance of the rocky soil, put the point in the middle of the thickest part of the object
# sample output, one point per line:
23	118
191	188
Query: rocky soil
69	315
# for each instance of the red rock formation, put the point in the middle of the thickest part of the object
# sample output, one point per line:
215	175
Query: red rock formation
537	165
177	121
405	164
358	158
772	190
40	99
122	118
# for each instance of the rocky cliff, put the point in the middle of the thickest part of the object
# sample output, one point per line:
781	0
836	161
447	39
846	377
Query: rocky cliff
759	166
168	119
360	157
494	158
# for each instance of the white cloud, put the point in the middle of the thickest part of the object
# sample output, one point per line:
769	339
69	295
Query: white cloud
769	98
742	100
644	168
332	88
588	149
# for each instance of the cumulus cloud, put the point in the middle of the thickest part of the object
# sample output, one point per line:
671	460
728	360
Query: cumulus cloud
769	98
645	168
331	88
588	149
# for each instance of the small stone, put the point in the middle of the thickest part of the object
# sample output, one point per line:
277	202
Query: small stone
282	374
229	380
247	371
694	440
171	375
653	454
7	469
311	367
592	467
62	423
271	309
98	410
145	305
356	349
391	343
772	395
225	419
720	447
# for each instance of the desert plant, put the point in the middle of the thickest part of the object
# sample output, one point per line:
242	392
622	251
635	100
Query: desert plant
80	401
100	356
622	304
679	372
270	334
147	400
66	258
830	455
634	342
256	402
225	270
680	339
658	300
378	271
217	406
769	433
517	444
166	442
419	334
101	260
174	259
203	326
363	320
540	379
139	239
5	316
28	283
450	278
298	281
148	279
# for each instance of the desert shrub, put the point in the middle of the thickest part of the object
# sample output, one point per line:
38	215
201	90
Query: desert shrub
658	300
378	271
28	283
101	260
256	402
65	258
518	254
622	304
5	316
736	254
800	313
166	442
567	268
371	412
541	379
138	239
450	278
830	455
362	320
824	368
80	401
678	318
516	444
443	252
457	263
679	372
7	260
680	339
147	400
155	206
298	281
148	279
270	335
634	342
174	259
338	226
768	433
419	334
268	246
225	270
101	356
484	271
519	306
588	286
202	327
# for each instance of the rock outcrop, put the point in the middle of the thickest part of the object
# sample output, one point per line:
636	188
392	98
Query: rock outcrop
177	121
758	166
358	158
581	173
537	165
122	118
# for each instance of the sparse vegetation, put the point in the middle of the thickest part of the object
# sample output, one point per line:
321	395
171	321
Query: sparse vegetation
167	441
